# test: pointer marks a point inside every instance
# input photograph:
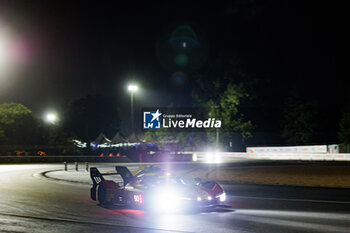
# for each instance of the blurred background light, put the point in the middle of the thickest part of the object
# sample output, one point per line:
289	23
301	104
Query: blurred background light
4	56
51	118
133	87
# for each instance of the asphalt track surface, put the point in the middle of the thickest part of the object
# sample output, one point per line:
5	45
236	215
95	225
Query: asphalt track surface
30	204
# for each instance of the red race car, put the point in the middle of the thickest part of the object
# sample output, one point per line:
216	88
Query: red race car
154	189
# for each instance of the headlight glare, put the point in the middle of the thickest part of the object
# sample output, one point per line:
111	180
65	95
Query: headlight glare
166	201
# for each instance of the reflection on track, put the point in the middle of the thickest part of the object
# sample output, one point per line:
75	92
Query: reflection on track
9	221
41	206
315	222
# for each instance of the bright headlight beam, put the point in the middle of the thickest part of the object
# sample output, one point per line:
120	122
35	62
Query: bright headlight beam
166	201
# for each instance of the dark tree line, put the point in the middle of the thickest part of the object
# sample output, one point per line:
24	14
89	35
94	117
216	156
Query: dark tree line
18	126
87	117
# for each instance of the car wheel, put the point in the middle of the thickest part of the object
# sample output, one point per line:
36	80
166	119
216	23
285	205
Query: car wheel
101	194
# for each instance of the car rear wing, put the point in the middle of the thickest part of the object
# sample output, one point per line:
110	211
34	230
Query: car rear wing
97	177
125	173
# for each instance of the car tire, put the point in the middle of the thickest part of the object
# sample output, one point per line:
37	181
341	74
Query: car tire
101	194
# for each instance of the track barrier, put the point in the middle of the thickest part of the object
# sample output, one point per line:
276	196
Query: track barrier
230	156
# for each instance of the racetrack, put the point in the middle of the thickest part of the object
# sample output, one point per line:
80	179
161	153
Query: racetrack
29	204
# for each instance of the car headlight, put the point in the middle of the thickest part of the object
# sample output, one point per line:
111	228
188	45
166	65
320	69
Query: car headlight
166	201
222	197
209	198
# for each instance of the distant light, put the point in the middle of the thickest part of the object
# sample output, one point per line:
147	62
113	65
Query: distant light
13	51
209	198
212	157
133	87
79	144
209	157
199	199
184	44
4	54
51	118
194	157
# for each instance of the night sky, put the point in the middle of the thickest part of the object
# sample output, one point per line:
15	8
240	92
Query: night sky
71	50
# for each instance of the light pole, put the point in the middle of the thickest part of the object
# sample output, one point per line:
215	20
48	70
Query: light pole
217	135
132	88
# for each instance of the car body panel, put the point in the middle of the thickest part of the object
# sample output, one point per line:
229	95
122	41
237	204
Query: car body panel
144	189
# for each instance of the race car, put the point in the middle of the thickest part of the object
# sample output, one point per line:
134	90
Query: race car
154	189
